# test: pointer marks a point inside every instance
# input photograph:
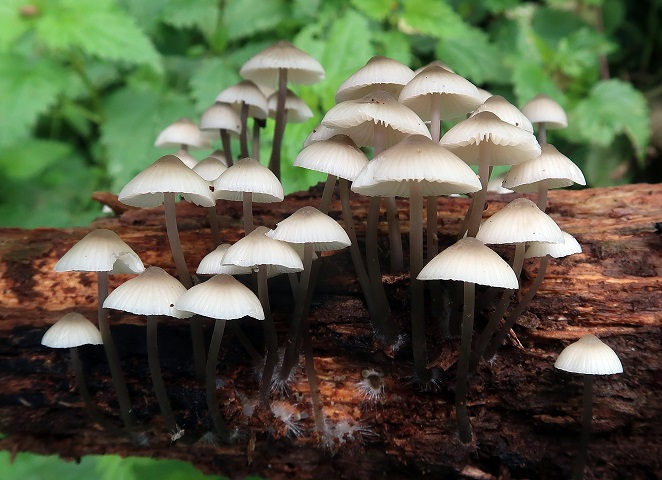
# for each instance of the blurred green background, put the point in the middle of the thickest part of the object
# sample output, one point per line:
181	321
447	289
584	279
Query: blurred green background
85	87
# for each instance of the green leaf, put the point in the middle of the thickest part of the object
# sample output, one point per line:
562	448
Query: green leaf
28	88
612	107
530	79
14	21
201	14
394	45
437	19
375	9
28	159
134	118
207	81
243	18
553	25
98	29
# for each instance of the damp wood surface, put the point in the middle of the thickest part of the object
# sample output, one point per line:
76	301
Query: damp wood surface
525	414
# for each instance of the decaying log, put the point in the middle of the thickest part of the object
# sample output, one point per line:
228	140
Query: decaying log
525	414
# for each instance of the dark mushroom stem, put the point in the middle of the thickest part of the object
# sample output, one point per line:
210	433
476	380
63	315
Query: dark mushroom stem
281	119
247	208
197	336
269	334
394	236
243	136
227	146
157	377
313	384
212	402
478	201
213	225
111	353
580	462
327	193
257	125
462	417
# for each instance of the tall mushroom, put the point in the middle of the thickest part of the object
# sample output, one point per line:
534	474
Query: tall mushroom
210	168
182	134
222	117
545	112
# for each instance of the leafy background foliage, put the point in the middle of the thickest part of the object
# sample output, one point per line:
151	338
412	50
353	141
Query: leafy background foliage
87	85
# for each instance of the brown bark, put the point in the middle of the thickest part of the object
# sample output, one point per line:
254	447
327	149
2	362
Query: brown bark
525	414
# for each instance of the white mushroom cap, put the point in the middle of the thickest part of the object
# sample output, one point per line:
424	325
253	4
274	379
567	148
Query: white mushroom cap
543	109
589	356
301	68
507	144
221	116
379	73
249	175
256	249
167	174
221	297
570	246
187	159
506	111
249	93
153	292
457	95
357	119
319	133
210	168
212	263
434	64
309	225
182	132
469	260
519	221
72	330
100	250
296	109
337	156
551	168
416	158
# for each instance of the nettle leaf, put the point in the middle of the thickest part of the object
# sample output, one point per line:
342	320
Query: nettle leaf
394	45
553	25
28	159
437	19
265	15
201	14
375	9
473	56
530	79
134	118
28	88
611	108
14	15
99	29
207	81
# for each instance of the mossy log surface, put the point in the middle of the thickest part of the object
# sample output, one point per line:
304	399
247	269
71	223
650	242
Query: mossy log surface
525	414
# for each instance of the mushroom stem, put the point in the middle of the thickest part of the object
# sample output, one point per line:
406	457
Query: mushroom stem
243	136
269	334
431	227
111	353
478	202
435	117
578	472
439	311
327	193
90	407
417	293
245	342
309	365
257	125
227	146
279	128
541	200
542	133
500	336
395	239
212	402
463	424
247	206
213	225
157	377
197	336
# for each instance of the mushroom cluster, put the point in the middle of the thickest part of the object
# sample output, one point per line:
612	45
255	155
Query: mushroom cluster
382	109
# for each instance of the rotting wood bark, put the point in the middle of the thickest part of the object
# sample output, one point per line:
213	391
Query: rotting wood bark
525	414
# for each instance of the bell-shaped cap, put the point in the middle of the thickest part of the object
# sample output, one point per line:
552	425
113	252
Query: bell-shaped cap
337	156
416	159
589	356
100	250
309	225
379	73
506	111
434	64
295	108
319	133
167	174
246	92
551	168
153	292
212	263
257	249
263	68
187	159
518	222
221	297
456	95
210	168
469	260
72	330
505	144
221	116
249	175
357	119
543	109
182	132
569	246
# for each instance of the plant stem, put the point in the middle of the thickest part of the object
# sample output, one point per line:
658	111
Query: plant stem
578	472
212	402
111	353
157	378
281	119
197	336
463	423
